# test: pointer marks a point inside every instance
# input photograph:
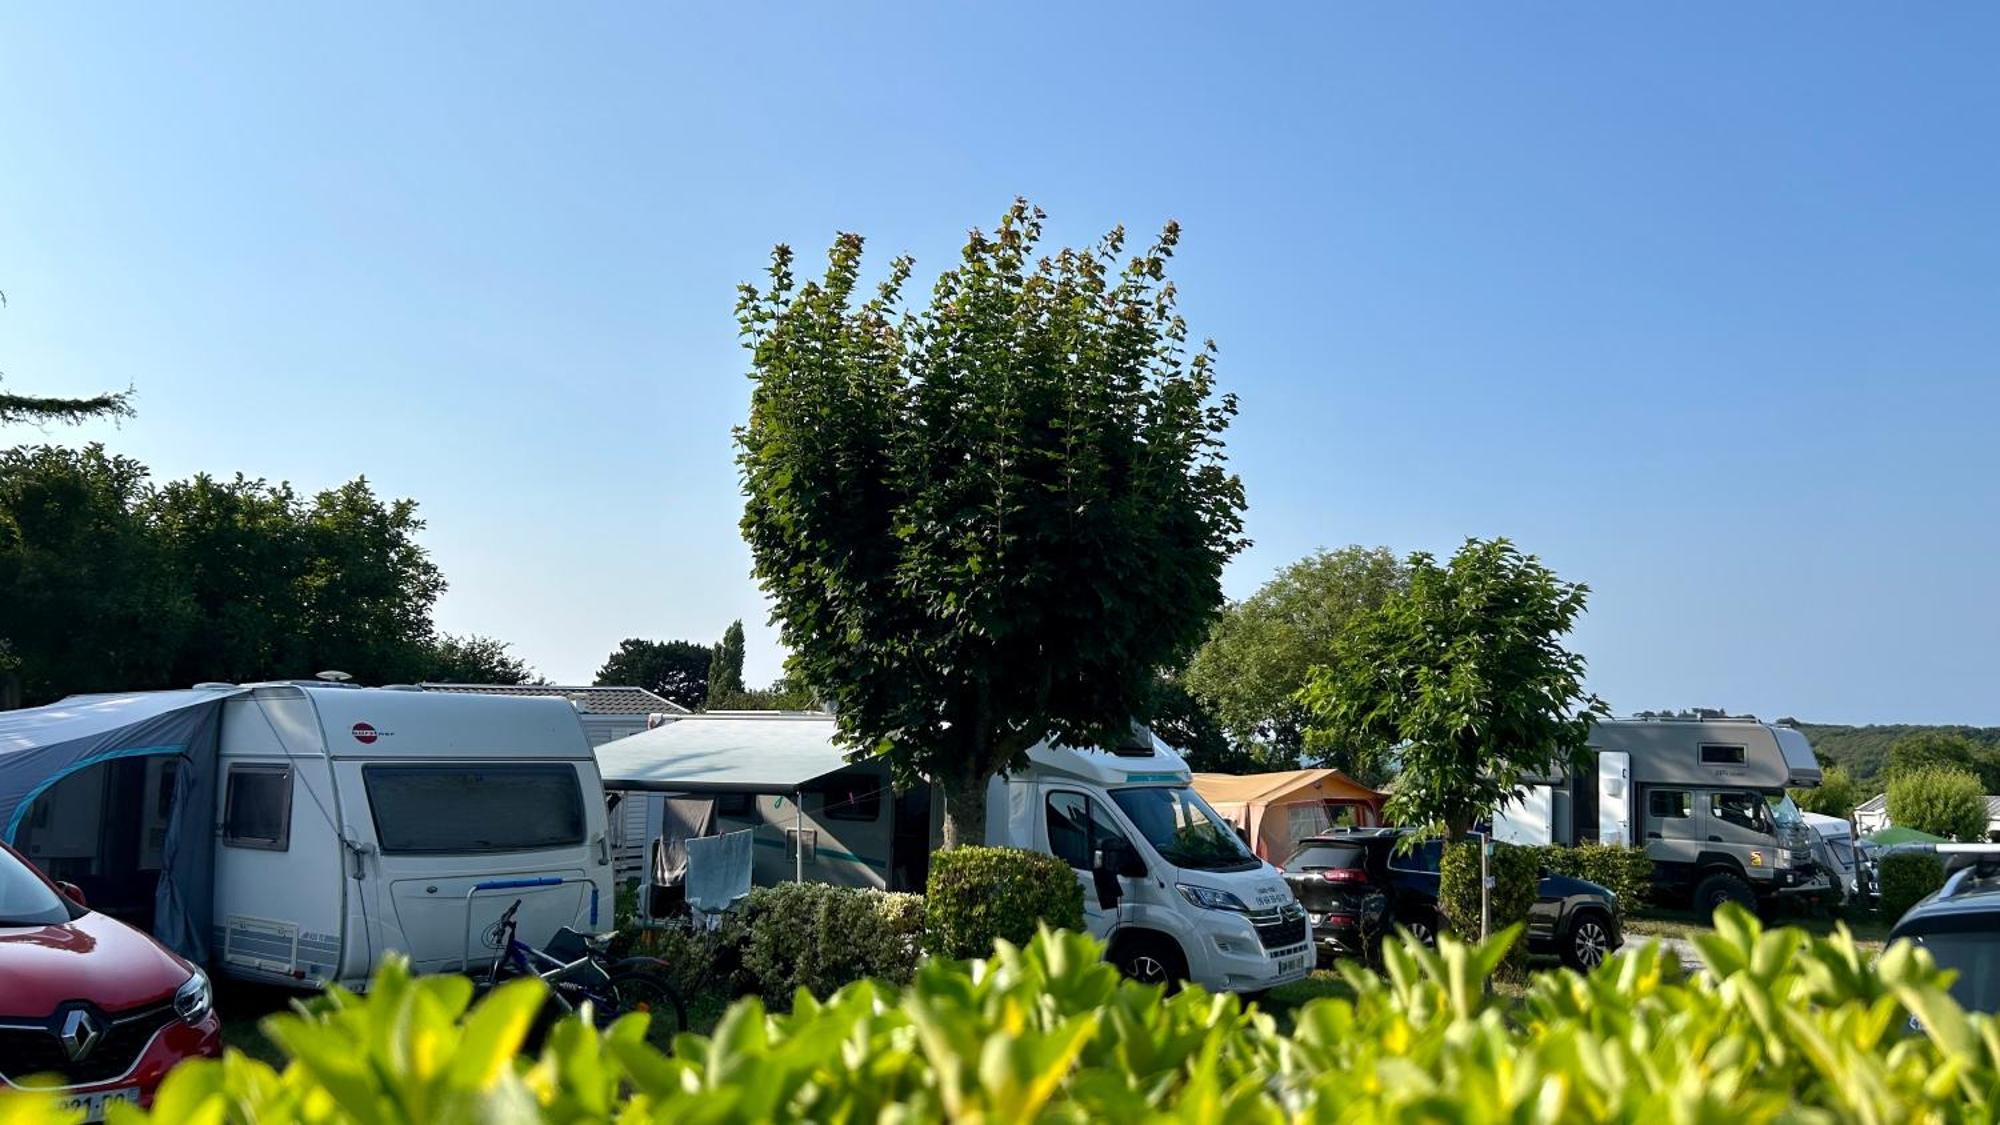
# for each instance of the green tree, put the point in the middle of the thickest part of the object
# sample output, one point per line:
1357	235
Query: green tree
1947	748
1836	795
44	410
988	522
786	693
1463	679
676	670
1184	722
474	659
1941	800
1259	650
725	668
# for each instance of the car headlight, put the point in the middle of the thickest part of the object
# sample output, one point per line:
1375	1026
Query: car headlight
195	999
1208	898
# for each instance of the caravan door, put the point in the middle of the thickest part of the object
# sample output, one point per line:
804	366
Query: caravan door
454	844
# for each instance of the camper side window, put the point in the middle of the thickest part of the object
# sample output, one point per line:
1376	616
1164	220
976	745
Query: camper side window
1078	826
257	807
1670	804
1721	755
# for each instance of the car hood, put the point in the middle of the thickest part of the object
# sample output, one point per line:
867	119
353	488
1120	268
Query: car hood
1564	886
94	958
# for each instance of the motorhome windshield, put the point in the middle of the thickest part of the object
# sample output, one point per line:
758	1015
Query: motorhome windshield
1784	810
1183	829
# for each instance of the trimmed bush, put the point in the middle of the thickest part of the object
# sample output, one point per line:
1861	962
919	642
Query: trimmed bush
819	937
1781	1026
979	895
1516	871
1625	872
1940	800
1906	878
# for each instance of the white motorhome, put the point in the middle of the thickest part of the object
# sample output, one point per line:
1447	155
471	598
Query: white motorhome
1167	883
295	833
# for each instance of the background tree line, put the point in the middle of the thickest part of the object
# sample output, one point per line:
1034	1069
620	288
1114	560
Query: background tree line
109	582
699	677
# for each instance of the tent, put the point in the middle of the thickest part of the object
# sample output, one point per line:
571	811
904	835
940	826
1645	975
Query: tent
40	747
1276	810
1893	835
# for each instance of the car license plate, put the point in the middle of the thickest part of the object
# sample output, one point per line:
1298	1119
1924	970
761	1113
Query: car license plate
1291	965
92	1106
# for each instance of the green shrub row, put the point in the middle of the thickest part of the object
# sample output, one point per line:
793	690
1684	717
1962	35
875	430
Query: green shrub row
1907	877
819	937
1516	871
1780	1026
976	896
1626	872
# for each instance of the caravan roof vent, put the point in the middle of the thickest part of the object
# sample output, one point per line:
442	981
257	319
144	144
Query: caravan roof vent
332	677
1138	743
213	685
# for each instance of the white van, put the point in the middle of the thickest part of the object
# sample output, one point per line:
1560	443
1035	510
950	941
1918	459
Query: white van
1167	883
344	823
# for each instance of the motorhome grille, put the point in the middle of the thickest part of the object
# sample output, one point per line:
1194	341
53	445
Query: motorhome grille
26	1051
1282	927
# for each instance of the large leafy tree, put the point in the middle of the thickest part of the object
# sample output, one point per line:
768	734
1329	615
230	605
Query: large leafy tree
1942	800
1836	794
725	669
1946	748
1255	660
676	670
989	521
109	583
475	659
1463	679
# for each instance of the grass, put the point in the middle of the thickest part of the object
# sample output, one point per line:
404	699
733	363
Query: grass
1870	931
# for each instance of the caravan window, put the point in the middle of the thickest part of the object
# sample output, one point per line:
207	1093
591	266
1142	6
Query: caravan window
474	808
1721	755
257	807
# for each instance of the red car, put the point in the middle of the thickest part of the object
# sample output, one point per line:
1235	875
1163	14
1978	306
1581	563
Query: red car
102	1008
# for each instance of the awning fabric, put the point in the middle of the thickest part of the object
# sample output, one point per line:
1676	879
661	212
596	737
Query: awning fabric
1261	803
40	746
718	754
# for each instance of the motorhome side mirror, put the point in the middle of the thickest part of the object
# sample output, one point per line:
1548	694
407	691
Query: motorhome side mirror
1112	859
73	893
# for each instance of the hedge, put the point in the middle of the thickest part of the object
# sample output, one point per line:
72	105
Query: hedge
819	937
1516	873
977	896
1625	872
1781	1026
1907	877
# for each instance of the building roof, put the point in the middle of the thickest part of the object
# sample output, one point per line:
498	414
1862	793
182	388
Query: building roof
593	700
1878	803
772	753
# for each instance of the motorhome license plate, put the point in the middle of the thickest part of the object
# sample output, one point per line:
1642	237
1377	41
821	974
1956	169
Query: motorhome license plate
92	1106
1291	965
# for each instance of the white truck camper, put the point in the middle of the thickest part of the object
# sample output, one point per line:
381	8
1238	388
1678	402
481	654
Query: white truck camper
1167	883
296	833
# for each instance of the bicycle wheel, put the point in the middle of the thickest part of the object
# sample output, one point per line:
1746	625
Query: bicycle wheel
642	985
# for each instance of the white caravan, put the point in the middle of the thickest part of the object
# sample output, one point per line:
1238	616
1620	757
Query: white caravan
344	823
1166	882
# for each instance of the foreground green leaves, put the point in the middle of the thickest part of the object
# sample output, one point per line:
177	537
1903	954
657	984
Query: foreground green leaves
1782	1027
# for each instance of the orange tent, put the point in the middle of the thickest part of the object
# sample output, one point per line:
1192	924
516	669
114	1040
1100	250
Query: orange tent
1276	810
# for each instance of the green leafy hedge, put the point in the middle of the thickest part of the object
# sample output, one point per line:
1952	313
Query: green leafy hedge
1626	872
979	895
819	937
1907	877
1781	1027
1516	871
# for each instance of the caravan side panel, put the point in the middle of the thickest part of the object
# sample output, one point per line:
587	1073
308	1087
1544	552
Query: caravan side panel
279	892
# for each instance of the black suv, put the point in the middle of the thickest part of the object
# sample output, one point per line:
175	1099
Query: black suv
1960	924
1356	888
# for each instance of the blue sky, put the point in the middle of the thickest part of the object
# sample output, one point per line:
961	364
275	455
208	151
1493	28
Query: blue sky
1699	303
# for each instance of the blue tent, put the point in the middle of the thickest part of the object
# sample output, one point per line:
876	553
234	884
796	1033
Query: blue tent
39	746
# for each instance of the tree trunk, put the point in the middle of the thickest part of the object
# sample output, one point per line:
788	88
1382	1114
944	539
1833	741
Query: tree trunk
964	810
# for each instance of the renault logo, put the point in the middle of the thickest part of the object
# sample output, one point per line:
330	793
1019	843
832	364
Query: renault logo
80	1034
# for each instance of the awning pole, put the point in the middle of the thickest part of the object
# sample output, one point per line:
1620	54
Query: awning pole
799	835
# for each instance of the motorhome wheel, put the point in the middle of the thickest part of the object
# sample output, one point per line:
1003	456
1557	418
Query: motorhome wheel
1719	888
1149	959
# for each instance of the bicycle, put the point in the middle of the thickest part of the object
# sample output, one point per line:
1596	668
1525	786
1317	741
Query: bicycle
579	971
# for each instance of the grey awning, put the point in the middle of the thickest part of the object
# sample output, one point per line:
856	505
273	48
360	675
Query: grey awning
736	754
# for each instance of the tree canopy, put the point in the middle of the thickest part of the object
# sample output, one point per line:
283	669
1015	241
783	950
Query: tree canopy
725	668
475	659
1258	652
1940	800
676	670
46	409
1946	748
992	520
111	584
1836	795
1462	679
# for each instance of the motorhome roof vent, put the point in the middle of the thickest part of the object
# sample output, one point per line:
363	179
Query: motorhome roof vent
1138	743
213	685
332	677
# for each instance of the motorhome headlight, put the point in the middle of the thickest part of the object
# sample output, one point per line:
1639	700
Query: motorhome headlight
1208	898
195	999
